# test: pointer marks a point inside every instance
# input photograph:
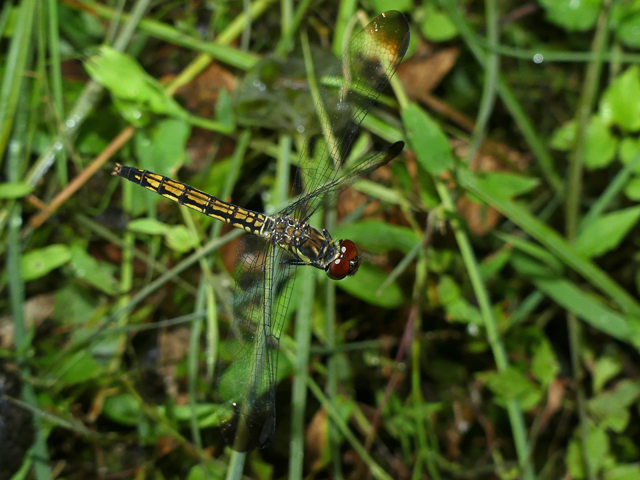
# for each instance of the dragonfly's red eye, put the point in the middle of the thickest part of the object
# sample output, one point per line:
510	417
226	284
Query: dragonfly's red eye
347	263
348	249
338	269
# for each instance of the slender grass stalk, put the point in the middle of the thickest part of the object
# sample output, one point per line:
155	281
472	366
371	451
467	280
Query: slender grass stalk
15	125
492	68
345	13
101	328
286	42
497	348
4	17
138	254
557	245
427	450
528	130
14	78
286	17
555	56
585	106
55	78
236	466
246	30
202	302
610	194
330	295
306	276
374	469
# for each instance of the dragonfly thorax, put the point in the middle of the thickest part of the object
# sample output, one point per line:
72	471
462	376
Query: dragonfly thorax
311	246
308	244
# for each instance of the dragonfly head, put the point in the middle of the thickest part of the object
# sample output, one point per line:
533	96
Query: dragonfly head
347	262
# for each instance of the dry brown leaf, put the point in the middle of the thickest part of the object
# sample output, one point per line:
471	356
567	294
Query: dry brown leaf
173	345
424	70
555	396
316	441
36	310
202	93
491	157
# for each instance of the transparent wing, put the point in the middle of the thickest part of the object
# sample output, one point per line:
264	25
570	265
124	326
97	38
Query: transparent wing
335	187
364	71
263	279
261	299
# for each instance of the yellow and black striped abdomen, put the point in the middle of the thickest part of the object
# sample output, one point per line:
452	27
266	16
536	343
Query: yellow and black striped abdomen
190	197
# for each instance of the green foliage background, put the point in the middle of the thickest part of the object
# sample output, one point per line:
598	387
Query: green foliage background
508	351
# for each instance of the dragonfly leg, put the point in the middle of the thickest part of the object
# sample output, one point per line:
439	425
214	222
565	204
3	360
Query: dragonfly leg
293	261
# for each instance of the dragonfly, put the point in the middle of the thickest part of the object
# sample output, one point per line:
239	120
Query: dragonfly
281	242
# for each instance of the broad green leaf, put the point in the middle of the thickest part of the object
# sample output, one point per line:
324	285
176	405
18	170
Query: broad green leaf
607	232
123	408
620	103
620	11
574	460
181	239
623	472
564	136
550	239
366	283
98	274
512	384
460	310
78	368
440	259
493	264
436	25
203	411
605	369
597	447
381	192
126	79
632	190
544	365
14	190
37	263
571	15
597	450
384	5
629	149
149	226
377	236
509	185
625	395
588	308
205	472
166	152
133	112
457	308
531	267
427	140
80	26
628	32
75	305
616	420
534	250
600	144
224	110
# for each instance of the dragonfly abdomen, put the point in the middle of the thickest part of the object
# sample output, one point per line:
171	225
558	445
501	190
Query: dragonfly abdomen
188	196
